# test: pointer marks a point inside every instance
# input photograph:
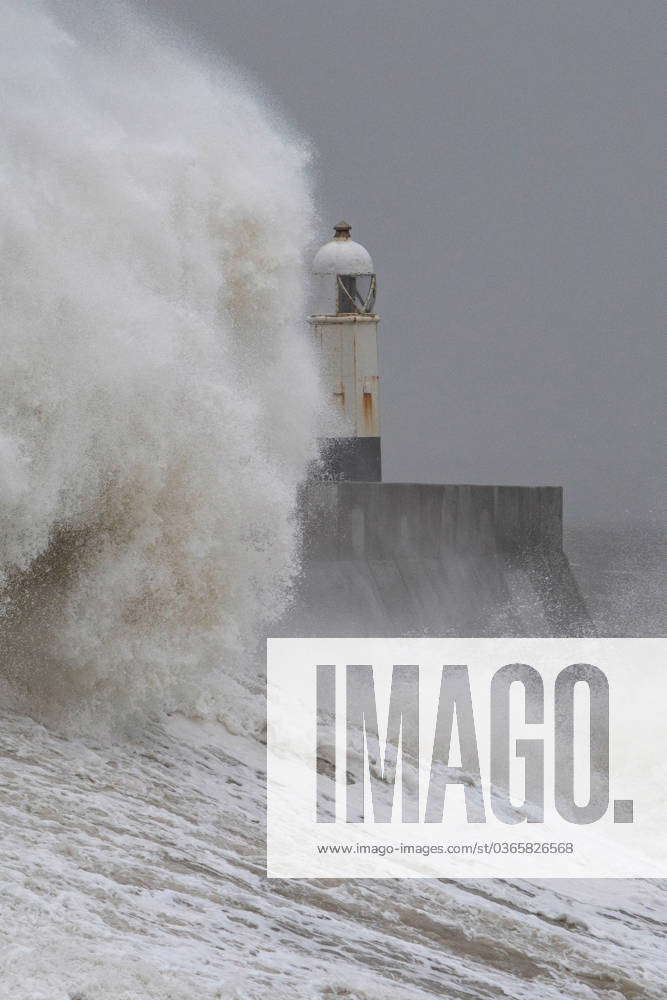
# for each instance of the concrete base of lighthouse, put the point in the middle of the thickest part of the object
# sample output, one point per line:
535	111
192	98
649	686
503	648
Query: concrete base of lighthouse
350	459
388	559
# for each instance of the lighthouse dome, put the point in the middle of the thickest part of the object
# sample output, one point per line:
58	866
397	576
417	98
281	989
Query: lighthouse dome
343	277
342	255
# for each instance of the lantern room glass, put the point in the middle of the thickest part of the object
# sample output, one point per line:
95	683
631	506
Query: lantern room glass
356	293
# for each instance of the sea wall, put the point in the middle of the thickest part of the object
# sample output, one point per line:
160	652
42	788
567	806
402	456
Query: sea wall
418	559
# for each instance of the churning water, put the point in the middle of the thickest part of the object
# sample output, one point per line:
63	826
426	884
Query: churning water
154	216
157	410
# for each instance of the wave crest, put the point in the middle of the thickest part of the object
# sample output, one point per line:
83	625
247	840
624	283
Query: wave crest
153	219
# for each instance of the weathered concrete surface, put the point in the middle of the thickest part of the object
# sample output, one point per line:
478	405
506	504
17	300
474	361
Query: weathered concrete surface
350	459
407	559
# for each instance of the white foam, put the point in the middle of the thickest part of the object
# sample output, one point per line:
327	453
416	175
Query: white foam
157	395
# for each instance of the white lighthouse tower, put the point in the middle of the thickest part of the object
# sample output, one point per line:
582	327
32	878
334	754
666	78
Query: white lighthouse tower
345	326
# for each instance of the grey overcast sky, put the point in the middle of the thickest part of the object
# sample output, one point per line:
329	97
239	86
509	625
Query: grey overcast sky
504	162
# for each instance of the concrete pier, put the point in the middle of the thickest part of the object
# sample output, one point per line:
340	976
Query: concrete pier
392	559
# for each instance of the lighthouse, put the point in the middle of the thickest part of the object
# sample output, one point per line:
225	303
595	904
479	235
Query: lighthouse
345	327
410	558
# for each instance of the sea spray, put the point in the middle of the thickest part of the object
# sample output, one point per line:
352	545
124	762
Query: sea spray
153	217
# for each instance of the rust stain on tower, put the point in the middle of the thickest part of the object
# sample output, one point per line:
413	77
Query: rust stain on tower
368	411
